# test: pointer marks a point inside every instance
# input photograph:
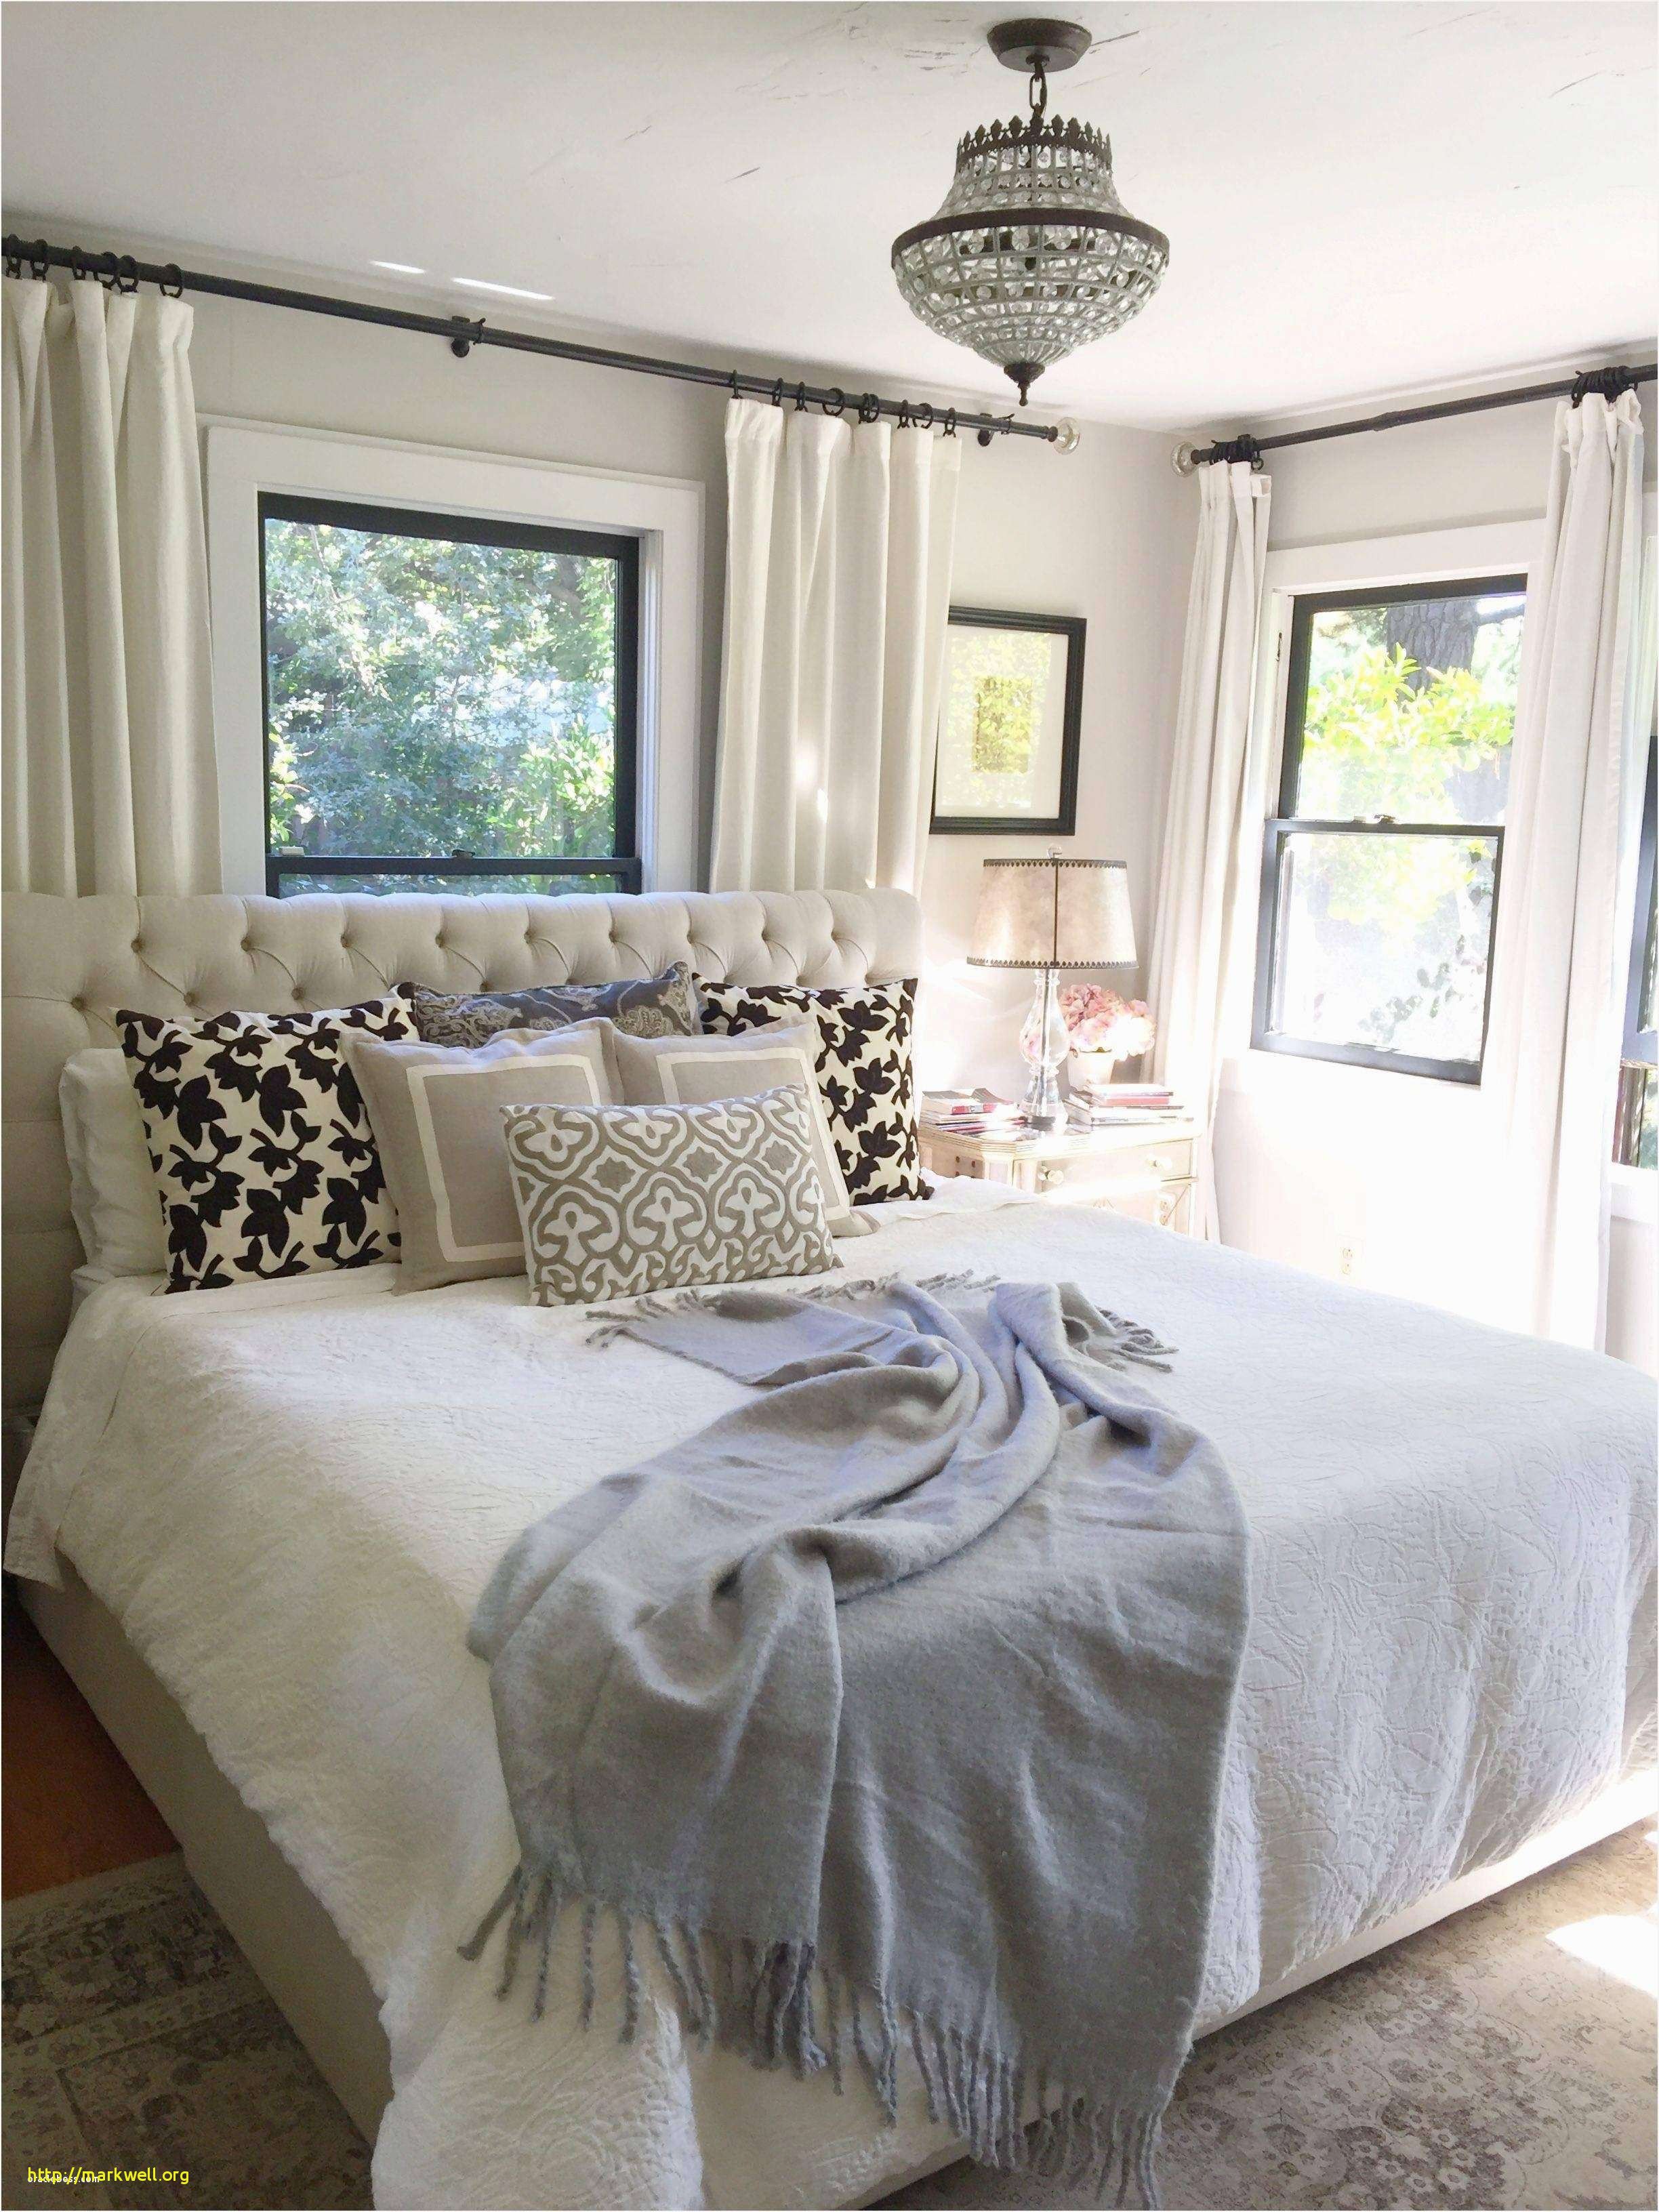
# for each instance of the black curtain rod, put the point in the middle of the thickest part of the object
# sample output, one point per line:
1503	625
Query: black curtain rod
120	272
1609	382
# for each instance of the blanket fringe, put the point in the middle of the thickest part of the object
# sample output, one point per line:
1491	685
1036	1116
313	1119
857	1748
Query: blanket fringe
1130	1340
759	2001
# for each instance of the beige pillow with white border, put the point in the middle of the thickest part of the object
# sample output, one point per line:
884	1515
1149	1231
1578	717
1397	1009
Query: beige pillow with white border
702	1070
436	1112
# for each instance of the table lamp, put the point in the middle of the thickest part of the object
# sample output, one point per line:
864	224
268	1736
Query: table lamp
1047	915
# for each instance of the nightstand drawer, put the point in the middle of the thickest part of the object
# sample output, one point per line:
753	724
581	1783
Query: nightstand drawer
1087	1174
1140	1171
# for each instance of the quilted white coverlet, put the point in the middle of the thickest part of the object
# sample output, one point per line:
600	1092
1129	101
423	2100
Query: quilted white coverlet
291	1495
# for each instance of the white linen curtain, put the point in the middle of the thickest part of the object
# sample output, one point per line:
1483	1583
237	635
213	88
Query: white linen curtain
110	783
1561	959
837	595
1211	862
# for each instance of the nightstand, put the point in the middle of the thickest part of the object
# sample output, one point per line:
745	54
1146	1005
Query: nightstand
1148	1170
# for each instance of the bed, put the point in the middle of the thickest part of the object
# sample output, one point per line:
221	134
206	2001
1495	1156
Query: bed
257	1519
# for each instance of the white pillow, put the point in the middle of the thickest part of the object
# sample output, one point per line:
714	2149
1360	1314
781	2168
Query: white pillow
112	1193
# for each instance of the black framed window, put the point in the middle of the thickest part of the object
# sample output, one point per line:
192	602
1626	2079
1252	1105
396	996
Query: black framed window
1381	868
1636	1132
450	701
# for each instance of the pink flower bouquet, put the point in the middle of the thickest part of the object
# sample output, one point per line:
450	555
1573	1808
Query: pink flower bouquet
1103	1029
1098	1020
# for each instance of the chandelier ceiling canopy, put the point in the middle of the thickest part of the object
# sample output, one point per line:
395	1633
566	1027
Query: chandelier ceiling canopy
1032	253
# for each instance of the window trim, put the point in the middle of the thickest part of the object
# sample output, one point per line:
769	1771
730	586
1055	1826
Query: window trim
663	514
623	864
1292	705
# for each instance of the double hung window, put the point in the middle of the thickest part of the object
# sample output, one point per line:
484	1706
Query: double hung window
1383	863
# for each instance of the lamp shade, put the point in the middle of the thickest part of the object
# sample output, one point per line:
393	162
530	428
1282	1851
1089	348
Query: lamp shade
1053	913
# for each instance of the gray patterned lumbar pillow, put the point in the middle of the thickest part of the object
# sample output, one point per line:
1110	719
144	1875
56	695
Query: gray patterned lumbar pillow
436	1115
696	1071
669	1004
615	1200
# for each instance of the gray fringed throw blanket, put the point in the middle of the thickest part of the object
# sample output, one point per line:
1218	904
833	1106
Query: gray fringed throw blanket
891	1708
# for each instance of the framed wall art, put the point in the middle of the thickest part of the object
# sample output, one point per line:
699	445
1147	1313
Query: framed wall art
1011	709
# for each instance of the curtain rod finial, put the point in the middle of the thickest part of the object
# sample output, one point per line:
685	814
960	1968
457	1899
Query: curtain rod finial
1184	459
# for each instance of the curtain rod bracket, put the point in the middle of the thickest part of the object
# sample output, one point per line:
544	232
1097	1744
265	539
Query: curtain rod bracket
468	334
1242	448
1609	382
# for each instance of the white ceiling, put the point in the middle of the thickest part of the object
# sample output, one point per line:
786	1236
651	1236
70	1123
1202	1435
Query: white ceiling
1361	198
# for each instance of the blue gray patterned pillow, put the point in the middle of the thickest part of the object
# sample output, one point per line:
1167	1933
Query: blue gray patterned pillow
669	1004
617	1200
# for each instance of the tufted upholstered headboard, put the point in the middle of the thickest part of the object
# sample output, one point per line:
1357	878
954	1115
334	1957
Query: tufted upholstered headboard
69	963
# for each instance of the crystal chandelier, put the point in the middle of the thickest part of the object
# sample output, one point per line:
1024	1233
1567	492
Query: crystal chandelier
1031	254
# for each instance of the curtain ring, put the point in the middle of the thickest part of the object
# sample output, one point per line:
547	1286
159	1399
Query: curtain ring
922	415
126	275
950	422
870	408
110	272
77	266
777	392
801	399
40	260
732	380
840	399
172	282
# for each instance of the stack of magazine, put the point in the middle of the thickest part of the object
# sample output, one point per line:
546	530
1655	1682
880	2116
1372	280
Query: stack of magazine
970	1113
1120	1104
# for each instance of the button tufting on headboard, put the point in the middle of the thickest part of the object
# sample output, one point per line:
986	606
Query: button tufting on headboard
69	964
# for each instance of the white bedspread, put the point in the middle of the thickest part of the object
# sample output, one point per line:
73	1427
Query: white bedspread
290	1496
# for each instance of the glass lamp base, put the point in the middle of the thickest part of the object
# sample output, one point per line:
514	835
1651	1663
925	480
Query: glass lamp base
1044	1044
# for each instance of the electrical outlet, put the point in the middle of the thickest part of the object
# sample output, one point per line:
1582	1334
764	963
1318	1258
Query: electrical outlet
1345	1259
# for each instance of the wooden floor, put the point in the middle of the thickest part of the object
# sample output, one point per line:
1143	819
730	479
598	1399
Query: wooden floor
72	1806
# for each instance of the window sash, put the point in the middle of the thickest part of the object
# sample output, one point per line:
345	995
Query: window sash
1265	1038
280	865
1307	604
624	861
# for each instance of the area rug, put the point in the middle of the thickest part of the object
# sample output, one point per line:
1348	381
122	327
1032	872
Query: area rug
139	2046
1504	2059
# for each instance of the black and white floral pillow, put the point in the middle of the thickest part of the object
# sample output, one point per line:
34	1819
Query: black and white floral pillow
864	1071
264	1160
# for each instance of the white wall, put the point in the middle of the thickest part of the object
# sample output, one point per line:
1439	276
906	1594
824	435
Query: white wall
1355	1171
1105	532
